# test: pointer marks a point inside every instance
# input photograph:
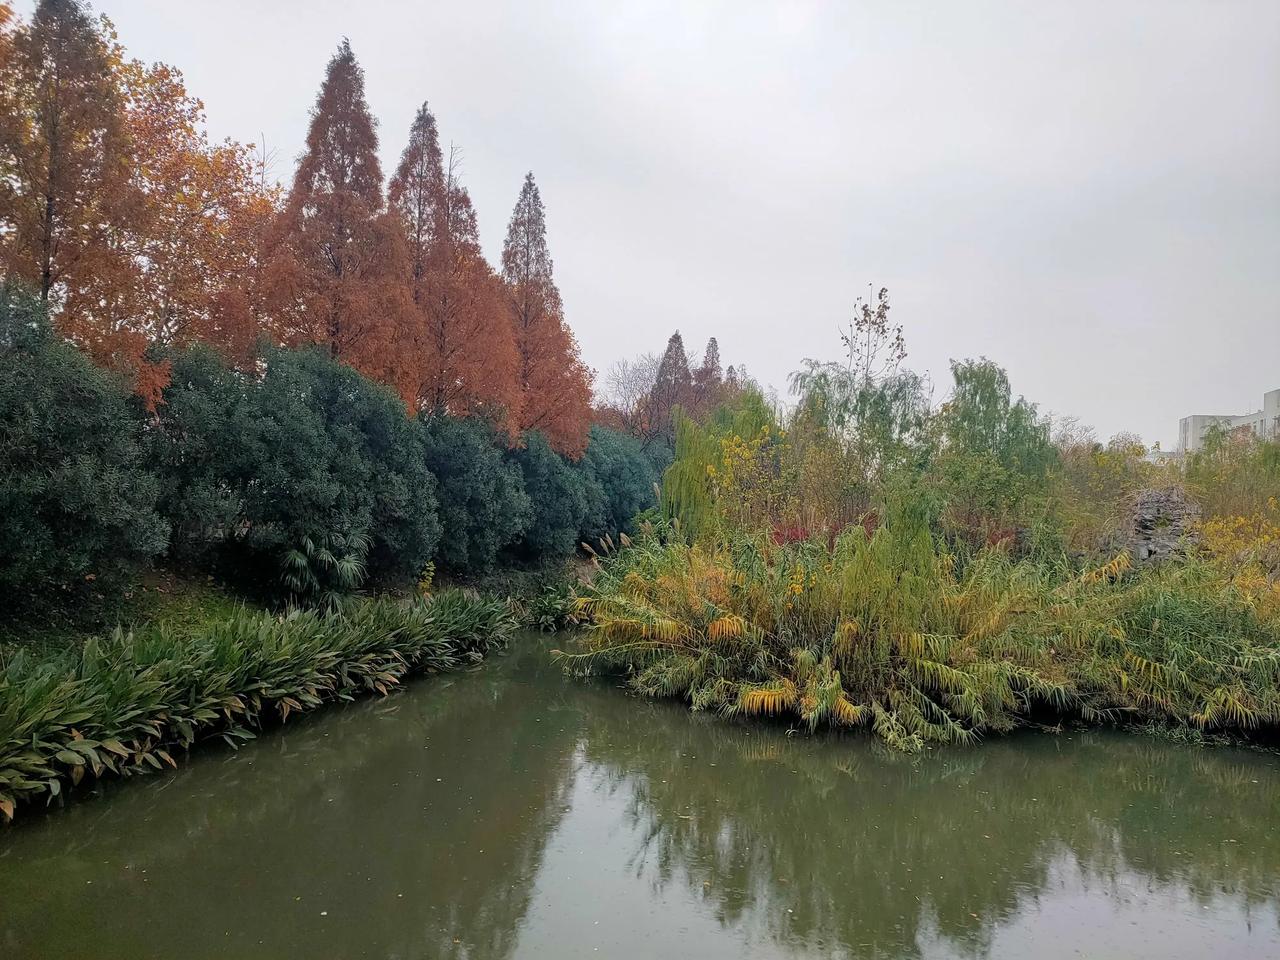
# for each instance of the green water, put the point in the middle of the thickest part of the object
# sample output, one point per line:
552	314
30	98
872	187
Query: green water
512	813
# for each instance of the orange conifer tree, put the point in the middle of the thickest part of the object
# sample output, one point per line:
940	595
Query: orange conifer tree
463	348
555	383
123	216
200	218
339	266
66	156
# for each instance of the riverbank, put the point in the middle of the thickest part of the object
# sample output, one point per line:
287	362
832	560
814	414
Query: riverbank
134	699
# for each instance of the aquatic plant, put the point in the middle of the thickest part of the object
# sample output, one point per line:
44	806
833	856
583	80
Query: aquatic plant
127	702
894	631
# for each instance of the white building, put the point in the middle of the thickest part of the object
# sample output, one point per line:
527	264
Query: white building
1264	423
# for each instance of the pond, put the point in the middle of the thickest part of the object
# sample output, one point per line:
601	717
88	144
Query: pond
509	812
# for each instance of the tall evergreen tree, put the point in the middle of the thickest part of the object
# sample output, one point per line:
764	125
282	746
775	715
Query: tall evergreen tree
672	387
340	271
708	381
463	348
556	384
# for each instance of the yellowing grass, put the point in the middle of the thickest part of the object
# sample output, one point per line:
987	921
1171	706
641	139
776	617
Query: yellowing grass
893	631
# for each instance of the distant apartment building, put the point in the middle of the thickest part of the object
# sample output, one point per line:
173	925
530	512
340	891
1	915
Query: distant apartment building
1264	423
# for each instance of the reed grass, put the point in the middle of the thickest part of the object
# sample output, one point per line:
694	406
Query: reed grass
894	632
133	701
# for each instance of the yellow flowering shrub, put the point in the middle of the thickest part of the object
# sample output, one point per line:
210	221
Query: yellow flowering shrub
746	482
1249	547
1243	540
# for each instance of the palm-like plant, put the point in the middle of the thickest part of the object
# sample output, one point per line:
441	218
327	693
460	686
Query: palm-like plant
326	569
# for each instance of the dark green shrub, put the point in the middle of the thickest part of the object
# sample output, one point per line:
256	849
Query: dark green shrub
274	474
619	483
338	455
77	504
482	501
205	452
560	496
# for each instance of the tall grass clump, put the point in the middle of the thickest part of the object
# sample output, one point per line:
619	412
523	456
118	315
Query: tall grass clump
884	630
895	632
1179	643
126	703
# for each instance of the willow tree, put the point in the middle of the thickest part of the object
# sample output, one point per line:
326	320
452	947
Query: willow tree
861	425
995	460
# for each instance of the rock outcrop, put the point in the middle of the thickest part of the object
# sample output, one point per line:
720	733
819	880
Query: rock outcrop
1161	523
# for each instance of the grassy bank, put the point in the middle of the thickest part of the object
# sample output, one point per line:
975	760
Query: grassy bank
541	596
179	600
922	643
131	701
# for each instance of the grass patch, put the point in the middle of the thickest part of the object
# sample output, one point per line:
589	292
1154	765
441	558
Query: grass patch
159	597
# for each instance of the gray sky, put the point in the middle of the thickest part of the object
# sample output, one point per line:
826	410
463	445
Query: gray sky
1087	193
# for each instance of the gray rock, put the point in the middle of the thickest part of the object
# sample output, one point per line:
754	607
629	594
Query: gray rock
1161	523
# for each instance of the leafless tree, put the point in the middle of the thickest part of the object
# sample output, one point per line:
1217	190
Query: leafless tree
627	391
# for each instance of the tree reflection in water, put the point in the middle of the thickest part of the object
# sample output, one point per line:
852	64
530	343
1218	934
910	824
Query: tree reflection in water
836	841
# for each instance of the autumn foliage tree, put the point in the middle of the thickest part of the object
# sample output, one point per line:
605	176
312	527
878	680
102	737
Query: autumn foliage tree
9	109
707	384
65	148
554	382
672	384
642	395
68	191
119	212
339	267
141	235
462	348
201	220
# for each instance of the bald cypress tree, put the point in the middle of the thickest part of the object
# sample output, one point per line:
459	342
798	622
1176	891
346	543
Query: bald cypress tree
340	270
416	192
672	387
555	384
708	381
462	346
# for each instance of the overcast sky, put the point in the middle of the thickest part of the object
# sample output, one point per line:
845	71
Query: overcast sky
1087	193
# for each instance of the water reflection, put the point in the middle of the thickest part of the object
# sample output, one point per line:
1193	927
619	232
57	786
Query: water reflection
844	844
508	813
